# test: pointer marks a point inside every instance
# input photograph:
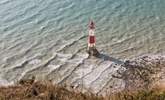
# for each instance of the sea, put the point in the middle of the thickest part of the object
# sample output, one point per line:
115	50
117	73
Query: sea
48	38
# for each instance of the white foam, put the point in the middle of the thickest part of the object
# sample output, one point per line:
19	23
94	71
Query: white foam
53	67
64	57
35	61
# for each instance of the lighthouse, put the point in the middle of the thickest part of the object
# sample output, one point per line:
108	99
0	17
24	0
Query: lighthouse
91	49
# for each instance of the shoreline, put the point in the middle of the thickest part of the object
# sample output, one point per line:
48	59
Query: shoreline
136	67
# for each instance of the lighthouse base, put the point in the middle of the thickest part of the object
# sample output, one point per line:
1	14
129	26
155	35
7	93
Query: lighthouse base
92	51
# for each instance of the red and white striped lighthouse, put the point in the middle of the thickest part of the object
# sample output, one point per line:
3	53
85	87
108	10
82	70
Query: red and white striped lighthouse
91	35
92	40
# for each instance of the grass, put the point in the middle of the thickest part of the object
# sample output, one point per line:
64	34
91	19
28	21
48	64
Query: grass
43	91
48	91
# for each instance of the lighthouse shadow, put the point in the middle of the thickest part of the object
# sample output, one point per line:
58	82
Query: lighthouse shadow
106	57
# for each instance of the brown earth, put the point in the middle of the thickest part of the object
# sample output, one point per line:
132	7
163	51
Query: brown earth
30	90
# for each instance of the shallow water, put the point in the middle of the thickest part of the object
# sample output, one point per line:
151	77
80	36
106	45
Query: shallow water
47	38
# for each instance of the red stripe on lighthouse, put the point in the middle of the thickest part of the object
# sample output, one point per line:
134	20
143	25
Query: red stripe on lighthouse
92	39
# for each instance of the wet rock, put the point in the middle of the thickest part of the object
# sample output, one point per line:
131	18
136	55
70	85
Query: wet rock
93	52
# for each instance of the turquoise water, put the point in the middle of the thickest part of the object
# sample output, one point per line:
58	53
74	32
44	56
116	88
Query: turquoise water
43	37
